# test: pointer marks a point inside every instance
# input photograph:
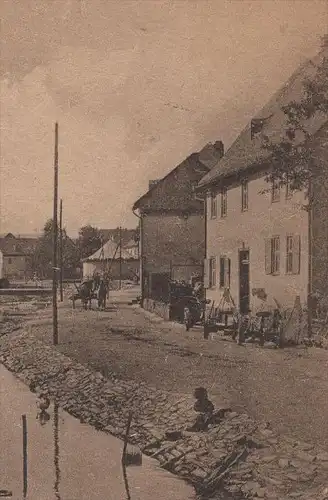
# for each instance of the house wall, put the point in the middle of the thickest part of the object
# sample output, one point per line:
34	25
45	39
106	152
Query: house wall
1	265
320	217
15	266
173	244
249	229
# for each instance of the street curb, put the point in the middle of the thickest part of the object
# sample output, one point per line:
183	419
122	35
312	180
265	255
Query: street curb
154	318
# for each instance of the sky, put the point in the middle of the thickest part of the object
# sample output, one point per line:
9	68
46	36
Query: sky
136	86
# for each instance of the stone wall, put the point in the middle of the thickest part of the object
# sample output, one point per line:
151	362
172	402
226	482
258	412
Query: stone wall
156	307
235	456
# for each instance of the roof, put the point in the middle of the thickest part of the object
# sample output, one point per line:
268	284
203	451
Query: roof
246	152
10	245
131	244
127	234
109	251
198	164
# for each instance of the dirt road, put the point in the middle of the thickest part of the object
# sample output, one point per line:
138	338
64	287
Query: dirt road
288	388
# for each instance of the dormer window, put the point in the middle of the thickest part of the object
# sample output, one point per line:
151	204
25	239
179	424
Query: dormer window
275	191
214	207
289	190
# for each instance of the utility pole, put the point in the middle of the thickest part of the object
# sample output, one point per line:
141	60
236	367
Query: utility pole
120	257
205	327
61	249
55	241
310	252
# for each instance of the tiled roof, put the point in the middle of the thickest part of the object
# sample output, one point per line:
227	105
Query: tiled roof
246	152
198	164
127	234
109	251
10	245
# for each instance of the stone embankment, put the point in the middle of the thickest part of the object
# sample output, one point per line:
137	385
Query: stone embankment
235	458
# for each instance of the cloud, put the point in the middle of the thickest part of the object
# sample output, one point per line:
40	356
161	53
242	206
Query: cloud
135	89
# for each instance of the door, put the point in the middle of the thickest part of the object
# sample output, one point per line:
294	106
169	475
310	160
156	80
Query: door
244	299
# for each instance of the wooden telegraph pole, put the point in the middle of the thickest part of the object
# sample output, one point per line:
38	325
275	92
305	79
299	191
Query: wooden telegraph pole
55	241
120	283
61	249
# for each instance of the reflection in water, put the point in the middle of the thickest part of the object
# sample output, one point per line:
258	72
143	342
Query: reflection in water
24	422
125	476
56	450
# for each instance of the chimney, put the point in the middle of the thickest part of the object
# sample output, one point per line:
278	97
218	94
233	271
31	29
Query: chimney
219	147
153	183
211	154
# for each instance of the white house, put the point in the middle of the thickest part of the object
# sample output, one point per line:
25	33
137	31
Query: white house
258	243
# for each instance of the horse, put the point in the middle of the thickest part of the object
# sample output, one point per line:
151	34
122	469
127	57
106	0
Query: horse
102	294
86	291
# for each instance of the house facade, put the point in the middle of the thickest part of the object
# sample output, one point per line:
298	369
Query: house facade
17	253
120	263
263	245
172	229
256	242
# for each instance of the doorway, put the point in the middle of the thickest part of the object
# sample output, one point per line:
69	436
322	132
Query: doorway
244	299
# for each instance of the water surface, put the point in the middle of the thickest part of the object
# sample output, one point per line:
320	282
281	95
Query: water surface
67	460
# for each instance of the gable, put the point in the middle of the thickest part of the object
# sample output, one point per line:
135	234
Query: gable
176	190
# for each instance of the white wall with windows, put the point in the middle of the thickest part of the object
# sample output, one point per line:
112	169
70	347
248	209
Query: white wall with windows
272	224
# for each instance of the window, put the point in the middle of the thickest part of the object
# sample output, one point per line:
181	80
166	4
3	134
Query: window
224	202
244	196
272	255
212	272
275	195
214	208
289	190
225	265
9	261
293	254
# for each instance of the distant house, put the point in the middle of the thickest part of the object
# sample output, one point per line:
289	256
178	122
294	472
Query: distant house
121	263
258	243
17	255
113	234
172	229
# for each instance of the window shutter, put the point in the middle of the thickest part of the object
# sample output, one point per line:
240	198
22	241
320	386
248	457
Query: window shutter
206	273
227	273
296	254
277	240
222	259
268	256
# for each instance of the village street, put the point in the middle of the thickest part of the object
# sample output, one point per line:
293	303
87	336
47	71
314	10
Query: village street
287	388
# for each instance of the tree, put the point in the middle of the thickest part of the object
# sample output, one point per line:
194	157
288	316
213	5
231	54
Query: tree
42	259
89	240
291	160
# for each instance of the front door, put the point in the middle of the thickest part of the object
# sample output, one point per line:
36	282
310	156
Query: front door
244	301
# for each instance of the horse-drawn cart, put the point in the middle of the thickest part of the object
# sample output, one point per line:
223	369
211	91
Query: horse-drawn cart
90	290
